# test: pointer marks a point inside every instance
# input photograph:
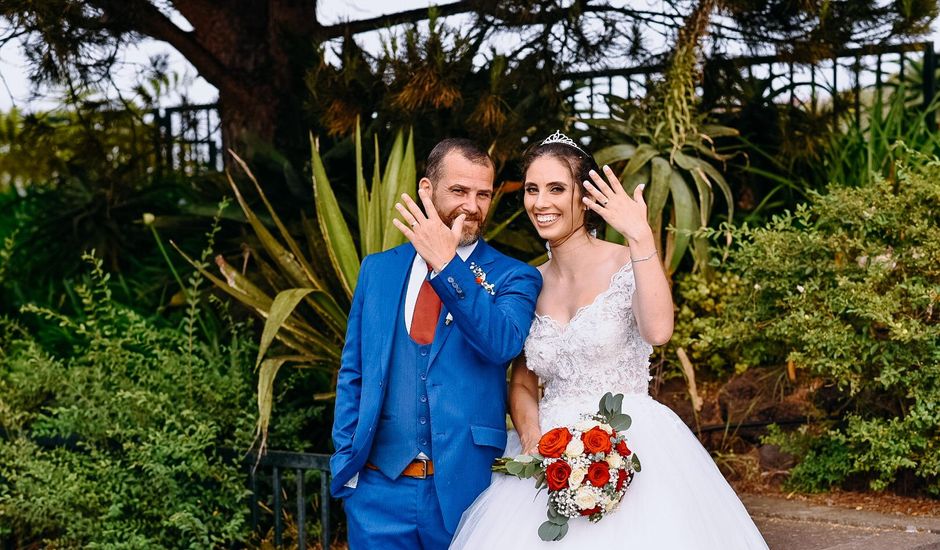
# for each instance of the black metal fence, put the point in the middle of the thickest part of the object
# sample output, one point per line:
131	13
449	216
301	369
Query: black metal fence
188	138
808	85
270	485
190	135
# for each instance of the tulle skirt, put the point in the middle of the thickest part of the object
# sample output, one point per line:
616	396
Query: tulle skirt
679	500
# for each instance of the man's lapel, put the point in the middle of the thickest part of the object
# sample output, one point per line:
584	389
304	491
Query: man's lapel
394	282
482	255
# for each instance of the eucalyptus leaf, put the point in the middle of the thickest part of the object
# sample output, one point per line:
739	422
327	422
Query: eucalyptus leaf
606	404
618	403
555	517
636	463
548	531
621	422
514	468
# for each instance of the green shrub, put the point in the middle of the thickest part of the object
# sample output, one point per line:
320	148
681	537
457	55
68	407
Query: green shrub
847	289
700	297
130	438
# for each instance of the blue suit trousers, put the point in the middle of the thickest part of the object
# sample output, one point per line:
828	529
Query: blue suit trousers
395	514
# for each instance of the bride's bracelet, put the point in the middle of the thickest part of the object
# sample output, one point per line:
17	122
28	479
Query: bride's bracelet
644	258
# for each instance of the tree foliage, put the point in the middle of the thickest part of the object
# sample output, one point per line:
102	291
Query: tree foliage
258	53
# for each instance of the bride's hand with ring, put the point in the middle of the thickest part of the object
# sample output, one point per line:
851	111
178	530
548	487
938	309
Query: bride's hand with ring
622	212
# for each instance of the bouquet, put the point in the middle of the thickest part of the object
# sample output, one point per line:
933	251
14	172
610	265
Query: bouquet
587	467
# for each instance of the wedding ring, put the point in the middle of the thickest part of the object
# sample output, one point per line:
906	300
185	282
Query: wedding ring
604	203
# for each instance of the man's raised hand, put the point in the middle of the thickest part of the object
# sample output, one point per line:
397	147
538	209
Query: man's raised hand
432	239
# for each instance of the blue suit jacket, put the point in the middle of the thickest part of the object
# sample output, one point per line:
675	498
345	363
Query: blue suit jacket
466	369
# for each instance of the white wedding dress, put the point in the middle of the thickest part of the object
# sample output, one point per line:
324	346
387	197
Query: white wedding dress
679	500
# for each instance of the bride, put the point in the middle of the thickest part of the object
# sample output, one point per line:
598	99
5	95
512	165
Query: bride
601	309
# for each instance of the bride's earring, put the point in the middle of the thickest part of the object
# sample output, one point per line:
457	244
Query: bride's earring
548	248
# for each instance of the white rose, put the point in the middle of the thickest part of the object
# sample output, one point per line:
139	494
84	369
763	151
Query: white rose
584	498
575	447
585	425
614	460
606	428
576	477
611	504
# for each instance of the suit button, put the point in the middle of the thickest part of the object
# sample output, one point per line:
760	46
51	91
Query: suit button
380	384
424	399
423	420
450	279
370	429
424	441
424	376
424	353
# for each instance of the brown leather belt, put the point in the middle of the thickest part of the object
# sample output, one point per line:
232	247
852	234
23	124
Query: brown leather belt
419	468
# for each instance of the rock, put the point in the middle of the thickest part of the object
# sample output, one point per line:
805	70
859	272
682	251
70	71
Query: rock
772	458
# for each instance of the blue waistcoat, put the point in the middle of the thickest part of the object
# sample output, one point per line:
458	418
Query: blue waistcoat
404	426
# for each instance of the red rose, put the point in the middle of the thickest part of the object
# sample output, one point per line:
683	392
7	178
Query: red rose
622	478
557	475
590	511
596	440
598	474
622	448
553	443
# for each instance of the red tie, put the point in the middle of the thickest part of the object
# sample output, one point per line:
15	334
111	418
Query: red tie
427	312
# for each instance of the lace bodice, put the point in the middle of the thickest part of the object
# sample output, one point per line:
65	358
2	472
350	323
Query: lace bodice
599	350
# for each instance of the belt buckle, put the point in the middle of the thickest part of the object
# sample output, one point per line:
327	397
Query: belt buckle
424	468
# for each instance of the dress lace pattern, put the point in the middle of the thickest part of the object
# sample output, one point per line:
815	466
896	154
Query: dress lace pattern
599	350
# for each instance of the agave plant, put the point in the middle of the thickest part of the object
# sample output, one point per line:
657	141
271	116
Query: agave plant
305	310
670	149
680	183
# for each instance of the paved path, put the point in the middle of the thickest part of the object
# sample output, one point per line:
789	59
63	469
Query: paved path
797	525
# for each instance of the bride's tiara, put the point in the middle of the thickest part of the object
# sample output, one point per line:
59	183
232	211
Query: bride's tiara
559	137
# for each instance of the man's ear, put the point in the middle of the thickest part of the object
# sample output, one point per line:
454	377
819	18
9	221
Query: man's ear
425	183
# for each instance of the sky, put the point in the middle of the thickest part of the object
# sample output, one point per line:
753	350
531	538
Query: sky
15	89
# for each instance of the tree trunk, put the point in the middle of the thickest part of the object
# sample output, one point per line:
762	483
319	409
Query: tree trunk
256	53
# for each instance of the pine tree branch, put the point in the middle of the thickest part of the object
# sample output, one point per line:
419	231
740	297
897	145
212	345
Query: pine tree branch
490	10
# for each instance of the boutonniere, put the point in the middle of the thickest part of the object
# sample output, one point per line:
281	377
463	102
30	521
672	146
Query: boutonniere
481	279
449	319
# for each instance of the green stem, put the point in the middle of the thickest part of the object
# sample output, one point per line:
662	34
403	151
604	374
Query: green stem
166	257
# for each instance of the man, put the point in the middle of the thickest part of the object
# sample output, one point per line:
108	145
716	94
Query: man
421	394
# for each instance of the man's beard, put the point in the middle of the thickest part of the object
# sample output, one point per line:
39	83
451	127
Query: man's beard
467	237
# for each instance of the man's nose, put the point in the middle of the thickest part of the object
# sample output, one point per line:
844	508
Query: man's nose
470	207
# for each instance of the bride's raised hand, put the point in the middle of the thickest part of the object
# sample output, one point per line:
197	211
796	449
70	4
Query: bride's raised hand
624	213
